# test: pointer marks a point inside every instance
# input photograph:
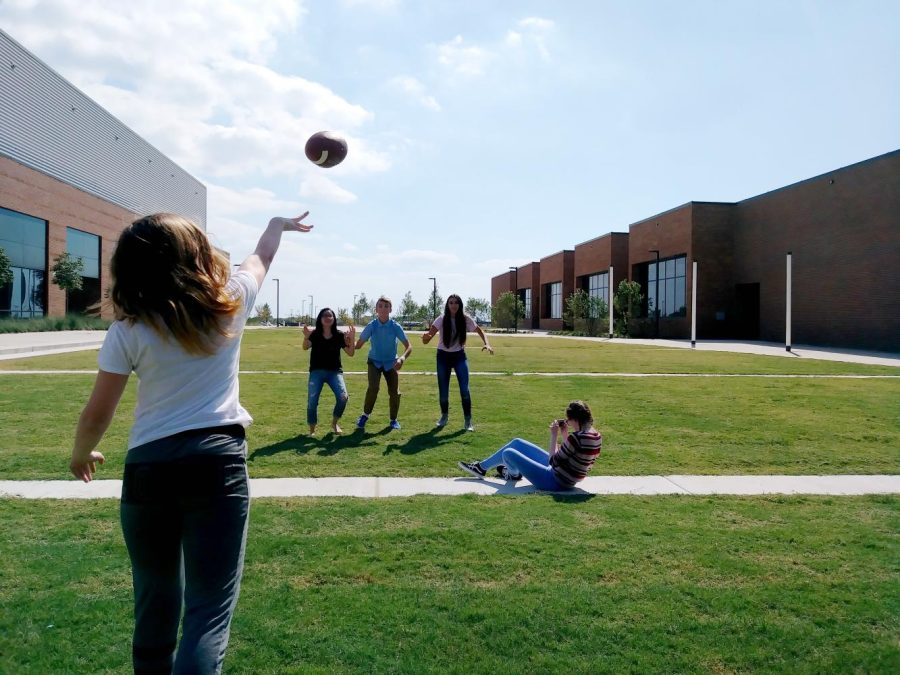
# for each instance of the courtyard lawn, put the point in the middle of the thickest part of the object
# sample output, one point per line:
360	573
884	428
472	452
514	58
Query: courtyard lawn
651	425
489	584
279	350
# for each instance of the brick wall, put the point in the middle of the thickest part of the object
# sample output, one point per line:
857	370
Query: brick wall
36	194
843	229
557	267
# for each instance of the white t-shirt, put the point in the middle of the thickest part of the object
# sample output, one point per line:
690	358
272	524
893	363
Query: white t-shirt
178	391
454	339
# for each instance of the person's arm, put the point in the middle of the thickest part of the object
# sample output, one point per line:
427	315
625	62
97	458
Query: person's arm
349	345
555	428
398	364
307	343
428	334
490	350
257	263
93	423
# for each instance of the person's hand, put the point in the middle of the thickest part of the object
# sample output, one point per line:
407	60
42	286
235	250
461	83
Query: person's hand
307	331
85	467
398	363
292	224
490	350
426	337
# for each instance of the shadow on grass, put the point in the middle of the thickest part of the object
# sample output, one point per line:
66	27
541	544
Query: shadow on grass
424	441
574	496
327	445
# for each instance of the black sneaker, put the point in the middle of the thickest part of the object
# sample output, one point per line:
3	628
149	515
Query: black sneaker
504	473
473	468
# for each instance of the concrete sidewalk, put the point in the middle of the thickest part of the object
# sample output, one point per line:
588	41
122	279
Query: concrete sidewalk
375	487
19	345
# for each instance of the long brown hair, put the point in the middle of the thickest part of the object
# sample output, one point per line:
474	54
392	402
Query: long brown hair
449	322
167	274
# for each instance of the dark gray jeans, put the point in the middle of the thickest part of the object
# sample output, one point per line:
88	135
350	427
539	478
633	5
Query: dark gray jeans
185	526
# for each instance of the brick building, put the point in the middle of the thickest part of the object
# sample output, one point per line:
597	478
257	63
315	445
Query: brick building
842	230
72	177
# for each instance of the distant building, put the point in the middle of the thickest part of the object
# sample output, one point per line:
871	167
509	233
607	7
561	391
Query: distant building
72	177
842	230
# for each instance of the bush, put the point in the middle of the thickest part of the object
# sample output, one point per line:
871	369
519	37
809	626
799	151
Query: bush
52	323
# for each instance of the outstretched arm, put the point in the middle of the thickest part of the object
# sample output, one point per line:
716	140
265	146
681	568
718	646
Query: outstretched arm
258	262
94	422
490	350
428	334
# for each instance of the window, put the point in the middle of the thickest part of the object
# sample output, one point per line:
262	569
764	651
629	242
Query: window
87	247
24	240
527	303
598	287
671	287
556	300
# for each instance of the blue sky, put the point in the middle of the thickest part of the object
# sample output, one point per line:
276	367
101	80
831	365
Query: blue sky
482	134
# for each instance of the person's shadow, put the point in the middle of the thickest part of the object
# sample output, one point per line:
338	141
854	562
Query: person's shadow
427	440
574	496
328	444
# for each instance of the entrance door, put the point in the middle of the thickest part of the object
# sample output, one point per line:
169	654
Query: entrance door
746	320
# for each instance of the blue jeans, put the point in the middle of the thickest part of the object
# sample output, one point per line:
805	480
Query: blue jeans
522	457
447	361
317	380
185	527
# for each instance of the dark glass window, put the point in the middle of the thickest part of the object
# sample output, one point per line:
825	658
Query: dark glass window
24	240
87	247
598	287
671	287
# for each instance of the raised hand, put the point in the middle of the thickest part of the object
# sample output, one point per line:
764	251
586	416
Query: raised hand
293	224
307	331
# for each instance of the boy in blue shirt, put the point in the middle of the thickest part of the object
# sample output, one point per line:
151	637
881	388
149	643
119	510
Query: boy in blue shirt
385	333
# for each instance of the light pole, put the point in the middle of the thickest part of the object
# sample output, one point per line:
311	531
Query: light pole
656	301
434	299
303	310
311	307
515	270
277	300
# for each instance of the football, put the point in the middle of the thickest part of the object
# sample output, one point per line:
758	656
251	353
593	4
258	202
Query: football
326	149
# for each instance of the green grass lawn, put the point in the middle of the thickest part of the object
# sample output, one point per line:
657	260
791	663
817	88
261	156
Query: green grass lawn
651	425
496	584
489	584
280	350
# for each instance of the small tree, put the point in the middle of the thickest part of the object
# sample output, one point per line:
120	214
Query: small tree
344	317
504	311
6	274
478	308
585	313
67	271
627	306
408	307
361	307
264	313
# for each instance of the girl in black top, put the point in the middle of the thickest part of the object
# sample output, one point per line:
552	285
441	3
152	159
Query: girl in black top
326	342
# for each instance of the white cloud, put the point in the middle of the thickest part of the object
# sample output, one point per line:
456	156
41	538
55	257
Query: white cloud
529	35
537	23
415	90
463	59
317	186
377	5
192	77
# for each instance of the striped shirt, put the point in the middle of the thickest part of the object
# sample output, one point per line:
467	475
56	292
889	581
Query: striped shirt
575	457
